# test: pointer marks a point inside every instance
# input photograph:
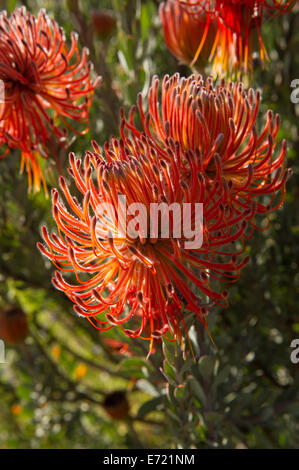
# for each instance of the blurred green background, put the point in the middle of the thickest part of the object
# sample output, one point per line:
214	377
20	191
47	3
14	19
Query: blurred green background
52	387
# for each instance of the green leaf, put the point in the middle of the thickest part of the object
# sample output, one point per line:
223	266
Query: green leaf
170	394
222	375
173	416
186	368
11	5
126	48
24	392
132	362
197	389
169	351
169	370
147	387
181	392
168	373
206	366
147	12
134	367
149	406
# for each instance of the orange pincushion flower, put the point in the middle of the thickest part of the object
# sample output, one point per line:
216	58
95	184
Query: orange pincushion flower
103	22
148	279
220	126
44	80
190	38
13	325
116	405
232	24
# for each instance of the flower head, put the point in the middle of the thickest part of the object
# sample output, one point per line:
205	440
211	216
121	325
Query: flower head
127	271
13	325
103	22
44	80
116	405
219	125
227	32
190	37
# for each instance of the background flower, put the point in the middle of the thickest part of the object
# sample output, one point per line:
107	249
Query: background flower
46	83
190	37
226	32
13	325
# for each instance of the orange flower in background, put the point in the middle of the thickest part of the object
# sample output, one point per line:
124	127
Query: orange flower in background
47	85
149	279
16	410
80	371
228	32
190	38
116	405
56	351
219	125
103	23
13	326
115	346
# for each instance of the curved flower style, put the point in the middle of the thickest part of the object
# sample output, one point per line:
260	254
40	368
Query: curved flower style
44	79
227	32
219	126
121	278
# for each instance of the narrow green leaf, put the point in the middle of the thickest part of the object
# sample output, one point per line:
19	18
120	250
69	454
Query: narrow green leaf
149	406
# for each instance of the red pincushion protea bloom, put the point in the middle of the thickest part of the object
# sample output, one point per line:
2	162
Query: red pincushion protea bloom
219	125
118	281
103	22
117	406
237	22
13	325
44	79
